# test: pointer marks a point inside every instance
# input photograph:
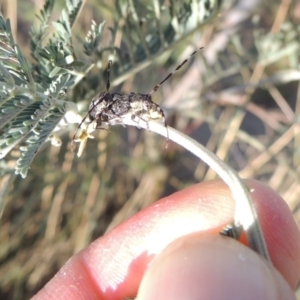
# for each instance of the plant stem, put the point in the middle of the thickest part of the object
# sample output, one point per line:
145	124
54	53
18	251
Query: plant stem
245	213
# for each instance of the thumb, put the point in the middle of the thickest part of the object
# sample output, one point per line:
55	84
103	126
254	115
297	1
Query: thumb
211	267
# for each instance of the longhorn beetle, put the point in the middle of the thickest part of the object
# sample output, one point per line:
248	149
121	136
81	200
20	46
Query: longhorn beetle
108	108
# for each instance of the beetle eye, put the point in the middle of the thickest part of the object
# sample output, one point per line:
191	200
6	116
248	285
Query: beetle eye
147	105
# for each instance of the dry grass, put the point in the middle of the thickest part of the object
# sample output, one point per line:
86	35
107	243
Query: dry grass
248	115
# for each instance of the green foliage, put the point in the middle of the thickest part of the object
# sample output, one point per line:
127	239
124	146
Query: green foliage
31	93
239	97
93	38
31	98
42	131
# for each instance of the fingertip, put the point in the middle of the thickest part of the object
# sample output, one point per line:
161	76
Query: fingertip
211	267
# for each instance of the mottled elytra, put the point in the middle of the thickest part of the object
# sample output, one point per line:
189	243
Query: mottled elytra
109	108
139	106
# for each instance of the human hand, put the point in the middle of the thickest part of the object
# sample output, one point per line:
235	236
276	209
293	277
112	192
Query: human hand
172	250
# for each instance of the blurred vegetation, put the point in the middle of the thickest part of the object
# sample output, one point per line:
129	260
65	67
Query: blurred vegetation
240	97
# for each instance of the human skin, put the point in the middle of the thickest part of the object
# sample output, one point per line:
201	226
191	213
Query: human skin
173	250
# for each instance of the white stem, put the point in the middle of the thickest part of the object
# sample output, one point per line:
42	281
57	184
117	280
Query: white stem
245	213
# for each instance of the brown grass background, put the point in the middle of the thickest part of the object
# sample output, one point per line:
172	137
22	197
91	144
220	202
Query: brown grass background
246	111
